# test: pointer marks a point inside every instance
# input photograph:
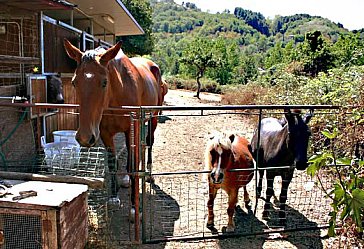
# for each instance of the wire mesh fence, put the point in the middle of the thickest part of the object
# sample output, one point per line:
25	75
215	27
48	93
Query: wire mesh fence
174	206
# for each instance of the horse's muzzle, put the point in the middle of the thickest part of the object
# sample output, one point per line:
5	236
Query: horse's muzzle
301	165
88	142
217	179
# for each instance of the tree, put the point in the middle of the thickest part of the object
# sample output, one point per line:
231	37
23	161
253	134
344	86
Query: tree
349	50
315	54
139	44
199	56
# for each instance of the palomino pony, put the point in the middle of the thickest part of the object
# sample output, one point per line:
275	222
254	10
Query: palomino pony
108	78
223	154
282	143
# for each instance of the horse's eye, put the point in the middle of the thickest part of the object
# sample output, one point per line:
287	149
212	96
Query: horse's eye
73	83
104	83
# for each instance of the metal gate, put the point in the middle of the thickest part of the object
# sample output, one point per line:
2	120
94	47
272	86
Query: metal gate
174	206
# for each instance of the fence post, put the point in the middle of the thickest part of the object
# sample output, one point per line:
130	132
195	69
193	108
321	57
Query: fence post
257	161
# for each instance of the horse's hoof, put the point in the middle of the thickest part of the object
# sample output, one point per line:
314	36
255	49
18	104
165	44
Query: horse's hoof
210	225
114	201
228	229
132	216
124	181
265	215
212	228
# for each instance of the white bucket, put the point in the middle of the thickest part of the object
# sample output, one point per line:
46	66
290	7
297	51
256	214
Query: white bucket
65	136
61	155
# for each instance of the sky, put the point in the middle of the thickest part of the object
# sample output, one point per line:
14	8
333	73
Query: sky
349	12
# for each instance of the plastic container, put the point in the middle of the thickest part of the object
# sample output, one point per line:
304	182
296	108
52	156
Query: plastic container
65	136
61	155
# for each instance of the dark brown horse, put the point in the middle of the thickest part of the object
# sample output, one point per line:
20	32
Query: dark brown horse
224	154
282	143
55	89
108	78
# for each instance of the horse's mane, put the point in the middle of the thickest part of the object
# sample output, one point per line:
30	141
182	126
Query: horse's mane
90	55
217	140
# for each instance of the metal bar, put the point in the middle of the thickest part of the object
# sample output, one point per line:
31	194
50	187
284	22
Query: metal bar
136	181
70	27
257	162
142	156
138	109
41	38
207	171
223	107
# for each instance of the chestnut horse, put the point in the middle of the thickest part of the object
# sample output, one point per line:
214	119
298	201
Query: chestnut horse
223	154
282	143
108	78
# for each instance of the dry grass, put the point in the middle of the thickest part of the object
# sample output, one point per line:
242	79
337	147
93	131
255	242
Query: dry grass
243	95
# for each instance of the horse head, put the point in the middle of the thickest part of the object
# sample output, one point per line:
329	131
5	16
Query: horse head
217	156
55	89
298	136
92	83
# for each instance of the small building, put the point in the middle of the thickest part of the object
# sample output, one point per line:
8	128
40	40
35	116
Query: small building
31	50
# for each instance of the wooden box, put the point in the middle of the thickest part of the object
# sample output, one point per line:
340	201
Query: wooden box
56	218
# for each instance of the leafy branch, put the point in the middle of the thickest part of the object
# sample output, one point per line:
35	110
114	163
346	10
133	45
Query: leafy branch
347	194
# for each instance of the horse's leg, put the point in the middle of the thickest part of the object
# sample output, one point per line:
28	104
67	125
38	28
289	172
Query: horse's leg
210	206
150	142
246	198
132	178
259	187
269	193
150	139
233	199
286	180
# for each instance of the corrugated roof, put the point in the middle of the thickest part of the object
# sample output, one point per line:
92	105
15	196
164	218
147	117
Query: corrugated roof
38	5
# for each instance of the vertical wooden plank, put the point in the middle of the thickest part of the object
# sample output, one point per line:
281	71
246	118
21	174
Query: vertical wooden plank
49	229
67	118
73	223
2	234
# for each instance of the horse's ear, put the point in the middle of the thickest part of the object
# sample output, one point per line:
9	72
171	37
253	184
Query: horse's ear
308	116
72	51
288	115
110	53
232	137
250	148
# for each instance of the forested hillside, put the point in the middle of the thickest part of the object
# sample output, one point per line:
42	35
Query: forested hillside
244	43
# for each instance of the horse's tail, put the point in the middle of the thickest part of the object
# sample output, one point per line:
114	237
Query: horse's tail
157	73
163	87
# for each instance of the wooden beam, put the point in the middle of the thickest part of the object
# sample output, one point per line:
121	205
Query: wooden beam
18	59
94	183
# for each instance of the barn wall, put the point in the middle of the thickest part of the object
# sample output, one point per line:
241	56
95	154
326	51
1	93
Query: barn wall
20	39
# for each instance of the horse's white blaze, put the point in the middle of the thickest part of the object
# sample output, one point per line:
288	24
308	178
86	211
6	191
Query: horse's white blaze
89	75
218	168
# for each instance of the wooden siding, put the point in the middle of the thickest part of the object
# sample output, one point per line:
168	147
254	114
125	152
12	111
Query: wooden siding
55	57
